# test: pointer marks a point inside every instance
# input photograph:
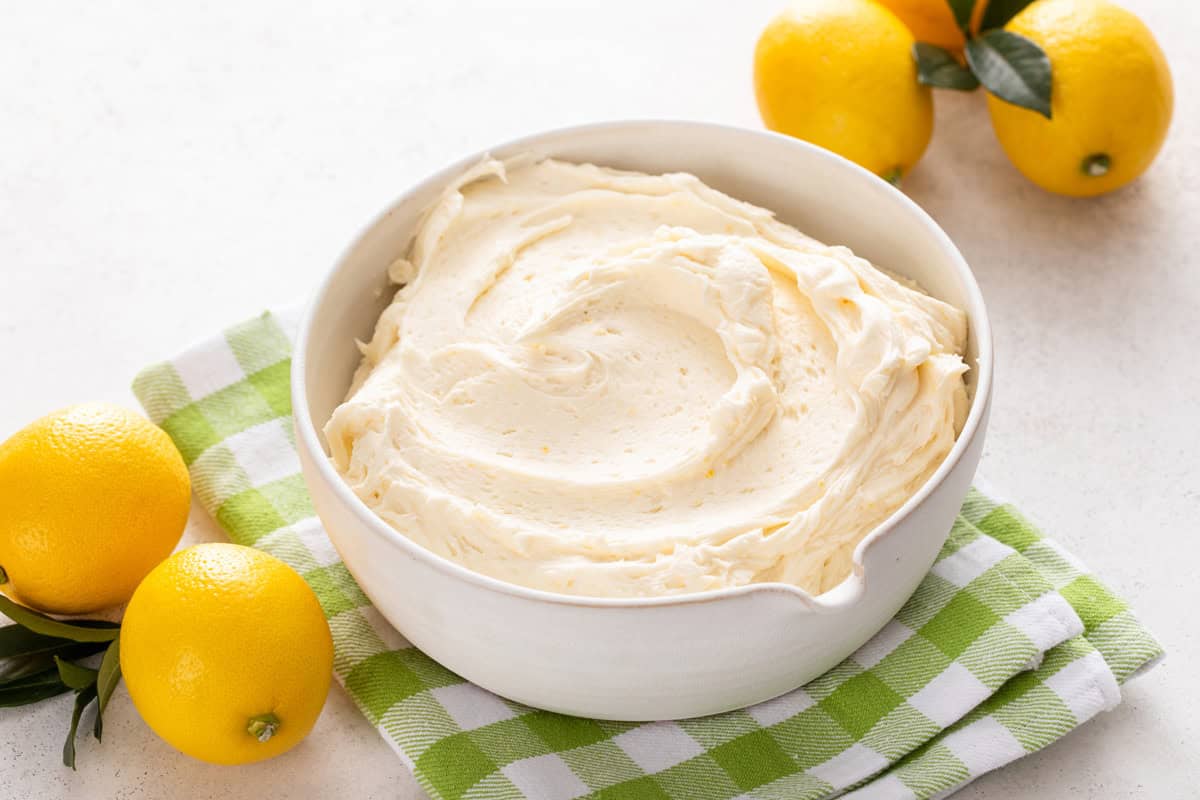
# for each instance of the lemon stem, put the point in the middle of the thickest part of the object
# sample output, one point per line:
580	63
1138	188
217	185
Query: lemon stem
3	576
893	176
263	726
1096	165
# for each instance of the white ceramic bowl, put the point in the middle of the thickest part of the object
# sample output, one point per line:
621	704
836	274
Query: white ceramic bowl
653	658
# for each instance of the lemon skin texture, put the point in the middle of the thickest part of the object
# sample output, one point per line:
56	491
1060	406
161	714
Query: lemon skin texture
226	654
92	497
840	74
933	22
1111	99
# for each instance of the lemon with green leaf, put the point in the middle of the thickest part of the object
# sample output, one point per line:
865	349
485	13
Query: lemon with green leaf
1079	92
1111	99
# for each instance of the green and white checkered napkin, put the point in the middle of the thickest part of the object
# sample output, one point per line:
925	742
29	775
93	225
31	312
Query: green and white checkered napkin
1007	645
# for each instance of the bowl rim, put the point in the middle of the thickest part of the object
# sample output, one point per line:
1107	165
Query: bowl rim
841	596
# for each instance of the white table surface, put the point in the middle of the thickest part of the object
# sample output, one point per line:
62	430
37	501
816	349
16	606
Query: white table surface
169	168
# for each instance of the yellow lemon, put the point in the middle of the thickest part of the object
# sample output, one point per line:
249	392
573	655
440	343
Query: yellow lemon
932	21
840	74
226	653
1111	99
91	498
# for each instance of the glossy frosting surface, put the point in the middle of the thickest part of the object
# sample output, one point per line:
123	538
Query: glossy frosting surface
615	384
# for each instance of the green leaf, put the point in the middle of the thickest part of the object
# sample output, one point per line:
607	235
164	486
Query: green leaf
106	682
31	689
1013	68
999	12
15	667
23	652
75	676
80	630
962	13
82	699
18	641
936	67
18	667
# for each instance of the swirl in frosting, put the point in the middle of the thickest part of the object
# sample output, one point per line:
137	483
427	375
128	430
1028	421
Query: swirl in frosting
607	383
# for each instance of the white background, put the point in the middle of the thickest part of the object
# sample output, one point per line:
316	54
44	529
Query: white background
169	168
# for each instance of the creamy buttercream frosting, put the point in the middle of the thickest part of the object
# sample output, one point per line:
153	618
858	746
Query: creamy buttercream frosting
608	383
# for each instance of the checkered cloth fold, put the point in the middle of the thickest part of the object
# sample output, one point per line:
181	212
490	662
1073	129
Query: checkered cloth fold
1008	644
